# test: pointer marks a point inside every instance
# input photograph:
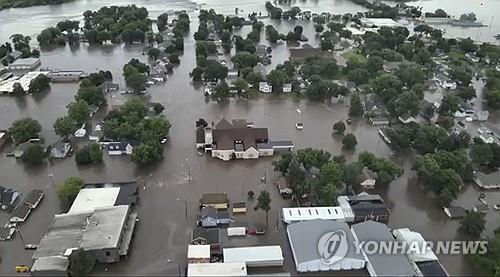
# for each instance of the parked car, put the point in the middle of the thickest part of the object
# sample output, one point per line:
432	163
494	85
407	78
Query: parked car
22	268
30	246
461	124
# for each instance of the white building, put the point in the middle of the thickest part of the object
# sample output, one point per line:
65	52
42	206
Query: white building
378	22
256	256
425	263
292	215
217	269
7	86
304	237
88	199
265	87
287	88
198	253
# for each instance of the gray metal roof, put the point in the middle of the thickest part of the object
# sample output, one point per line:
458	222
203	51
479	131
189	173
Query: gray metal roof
304	236
88	230
383	264
52	263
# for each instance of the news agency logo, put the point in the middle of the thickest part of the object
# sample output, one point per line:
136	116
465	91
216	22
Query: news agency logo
333	246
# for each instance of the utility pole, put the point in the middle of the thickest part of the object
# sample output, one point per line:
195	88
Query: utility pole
189	169
20	235
185	207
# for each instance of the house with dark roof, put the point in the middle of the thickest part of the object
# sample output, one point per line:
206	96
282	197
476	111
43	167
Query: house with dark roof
238	140
8	199
60	149
210	217
363	207
204	236
455	212
119	148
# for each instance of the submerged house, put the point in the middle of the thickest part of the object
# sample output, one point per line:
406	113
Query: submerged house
238	140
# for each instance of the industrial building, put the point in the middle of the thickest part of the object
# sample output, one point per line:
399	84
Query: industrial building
28	64
381	264
217	269
101	222
255	256
304	237
425	264
292	215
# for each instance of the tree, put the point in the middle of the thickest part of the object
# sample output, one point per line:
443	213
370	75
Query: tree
428	138
17	89
327	44
319	28
339	127
461	75
374	64
174	58
221	91
481	154
64	126
350	141
136	81
466	93
95	152
215	71
145	154
242	87
69	190
295	175
158	108
40	83
154	53
33	155
24	129
449	105
78	111
244	59
90	93
277	78
264	203
356	107
358	76
80	263
473	224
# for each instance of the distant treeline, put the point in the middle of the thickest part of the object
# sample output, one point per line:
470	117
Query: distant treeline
4	4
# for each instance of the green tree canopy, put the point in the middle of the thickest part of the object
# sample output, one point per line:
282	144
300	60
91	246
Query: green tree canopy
24	129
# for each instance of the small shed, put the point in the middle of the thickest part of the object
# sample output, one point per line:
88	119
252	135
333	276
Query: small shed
216	200
198	254
236	231
369	178
239	207
455	212
217	269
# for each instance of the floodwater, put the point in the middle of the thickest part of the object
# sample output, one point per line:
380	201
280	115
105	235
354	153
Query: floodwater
162	235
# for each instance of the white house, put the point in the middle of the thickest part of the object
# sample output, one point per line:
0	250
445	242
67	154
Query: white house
255	256
119	148
265	87
287	88
369	178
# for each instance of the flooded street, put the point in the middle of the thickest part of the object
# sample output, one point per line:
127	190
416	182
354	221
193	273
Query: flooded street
161	237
